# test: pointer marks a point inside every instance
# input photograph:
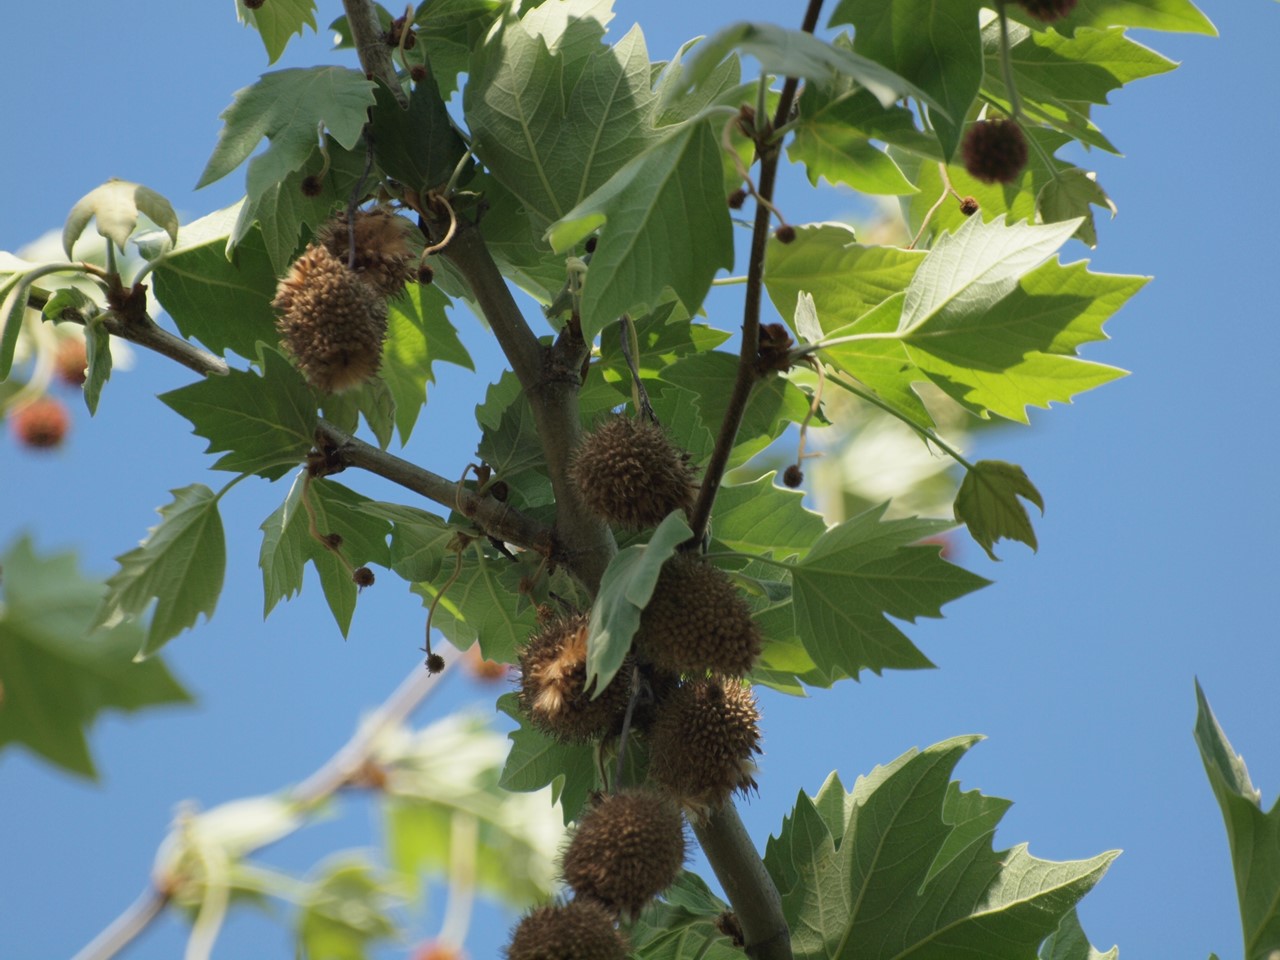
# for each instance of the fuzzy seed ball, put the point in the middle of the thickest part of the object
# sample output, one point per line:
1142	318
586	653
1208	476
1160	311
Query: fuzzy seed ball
435	664
703	743
553	676
418	72
793	476
71	361
331	321
41	424
631	475
426	273
362	577
383	257
312	185
785	233
969	206
577	930
737	199
254	4
627	849
995	151
1048	10
698	621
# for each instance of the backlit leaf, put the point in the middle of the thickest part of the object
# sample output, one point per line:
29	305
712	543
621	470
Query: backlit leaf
277	21
116	205
988	504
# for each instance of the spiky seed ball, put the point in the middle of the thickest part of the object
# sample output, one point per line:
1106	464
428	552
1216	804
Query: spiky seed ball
435	664
995	151
362	577
42	424
703	743
627	849
553	676
71	361
969	206
312	185
578	930
331	321
383	257
1048	10
698	621
793	476
631	475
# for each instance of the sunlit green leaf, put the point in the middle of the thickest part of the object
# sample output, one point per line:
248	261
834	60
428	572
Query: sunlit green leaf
418	334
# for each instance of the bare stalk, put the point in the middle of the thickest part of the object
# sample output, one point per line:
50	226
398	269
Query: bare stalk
124	928
371	45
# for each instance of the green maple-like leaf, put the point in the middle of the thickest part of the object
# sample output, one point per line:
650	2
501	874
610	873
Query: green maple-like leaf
1069	942
936	46
266	424
513	448
419	540
180	565
277	21
683	925
1175	16
536	761
418	334
116	205
372	400
830	140
288	544
59	672
347	908
987	503
225	303
1087	66
417	145
761	517
858	574
1253	836
875	872
625	590
449	30
664	224
288	107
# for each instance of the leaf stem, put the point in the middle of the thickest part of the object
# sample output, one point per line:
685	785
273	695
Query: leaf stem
924	432
1006	63
124	928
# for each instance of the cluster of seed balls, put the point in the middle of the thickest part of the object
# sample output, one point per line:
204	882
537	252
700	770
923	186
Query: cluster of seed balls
332	306
698	717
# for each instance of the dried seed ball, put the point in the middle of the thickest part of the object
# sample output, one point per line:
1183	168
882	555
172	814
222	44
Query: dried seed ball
969	206
331	321
362	577
71	360
698	621
383	257
1048	10
793	476
703	744
42	424
631	475
994	151
578	930
627	849
553	676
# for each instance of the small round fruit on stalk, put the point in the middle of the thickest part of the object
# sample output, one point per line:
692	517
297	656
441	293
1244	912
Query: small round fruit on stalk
42	424
577	930
994	151
1048	11
628	847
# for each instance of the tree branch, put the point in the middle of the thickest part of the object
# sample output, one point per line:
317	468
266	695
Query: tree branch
124	928
495	518
746	883
371	46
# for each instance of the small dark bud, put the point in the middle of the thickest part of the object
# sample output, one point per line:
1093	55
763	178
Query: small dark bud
362	577
435	664
737	199
254	4
410	40
312	185
332	540
785	233
793	476
426	273
1047	11
418	72
774	351
591	244
969	206
500	491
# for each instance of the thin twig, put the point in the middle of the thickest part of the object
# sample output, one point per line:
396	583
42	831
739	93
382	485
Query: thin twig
124	928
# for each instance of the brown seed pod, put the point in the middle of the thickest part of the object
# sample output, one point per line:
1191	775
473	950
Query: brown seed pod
578	930
1048	10
71	361
785	233
995	151
553	676
793	476
627	849
697	621
331	321
383	257
362	577
630	474
969	206
703	744
42	424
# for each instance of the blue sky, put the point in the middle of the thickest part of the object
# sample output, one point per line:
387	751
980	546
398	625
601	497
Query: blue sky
1157	559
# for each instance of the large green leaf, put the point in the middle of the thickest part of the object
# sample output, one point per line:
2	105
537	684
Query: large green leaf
418	334
419	540
449	30
288	544
936	46
987	502
537	761
1177	16
625	590
224	303
266	424
277	21
553	113
288	107
1087	66
59	673
180	565
1069	942
1252	835
664	224
831	142
875	872
761	517
858	574
683	925
417	145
